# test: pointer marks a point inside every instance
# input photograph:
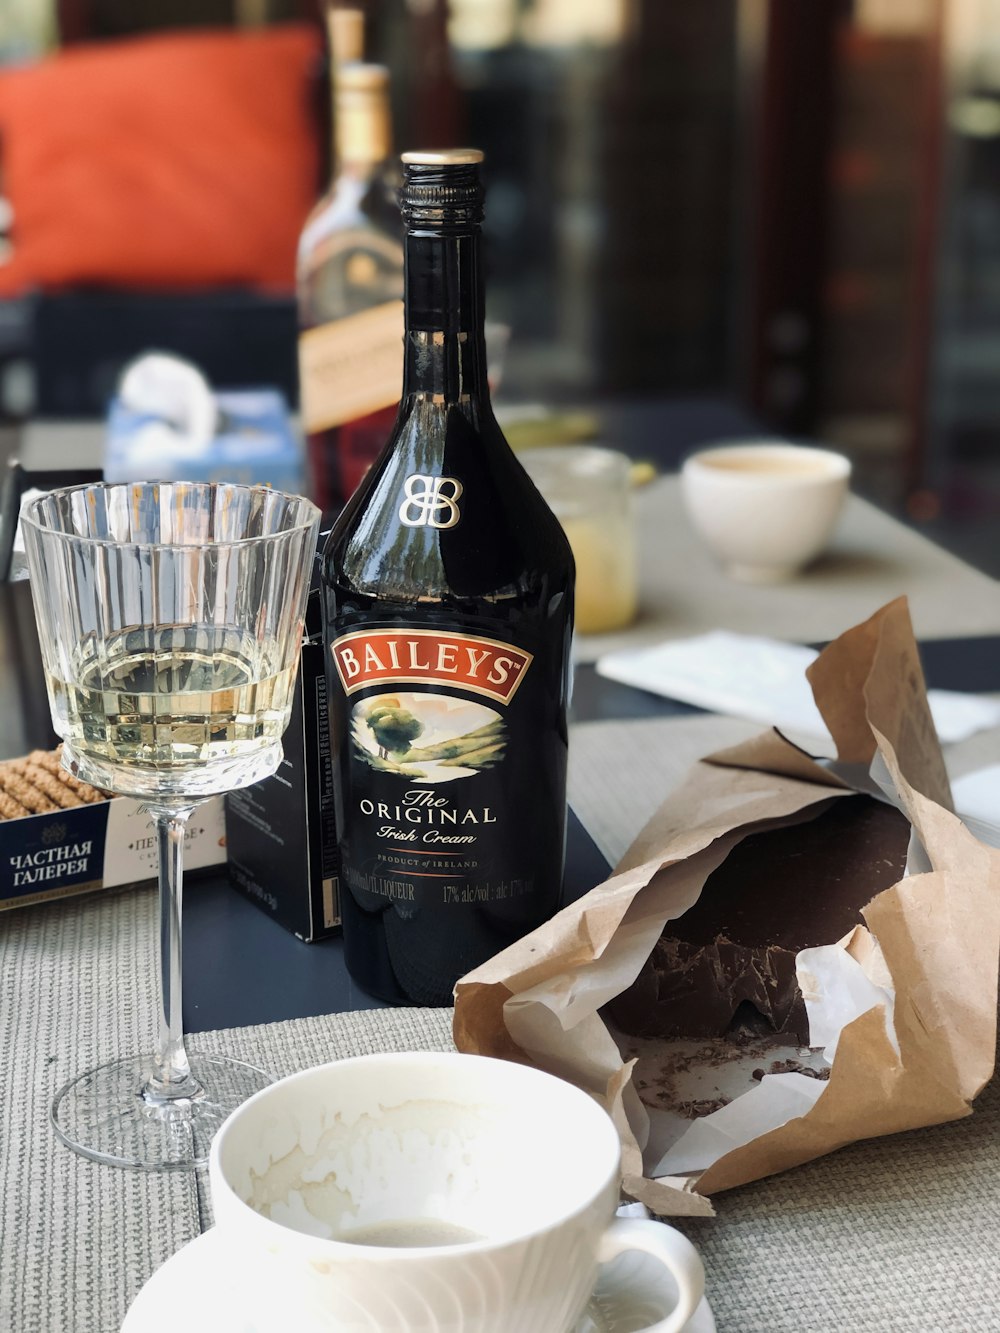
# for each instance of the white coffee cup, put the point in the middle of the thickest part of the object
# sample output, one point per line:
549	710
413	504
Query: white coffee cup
765	509
403	1149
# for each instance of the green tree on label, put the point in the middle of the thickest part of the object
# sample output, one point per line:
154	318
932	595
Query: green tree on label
393	727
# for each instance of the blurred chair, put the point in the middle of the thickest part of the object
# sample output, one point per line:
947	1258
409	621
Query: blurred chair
158	185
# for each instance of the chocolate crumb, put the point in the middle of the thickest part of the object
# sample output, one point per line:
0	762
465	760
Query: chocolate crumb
694	1110
794	1067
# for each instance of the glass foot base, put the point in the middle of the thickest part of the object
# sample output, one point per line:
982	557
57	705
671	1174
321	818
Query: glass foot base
103	1115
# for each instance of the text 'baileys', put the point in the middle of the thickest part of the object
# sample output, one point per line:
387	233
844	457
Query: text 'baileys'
482	666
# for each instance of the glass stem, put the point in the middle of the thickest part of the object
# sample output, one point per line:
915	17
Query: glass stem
171	1077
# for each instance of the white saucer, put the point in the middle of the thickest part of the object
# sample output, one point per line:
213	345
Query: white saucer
193	1281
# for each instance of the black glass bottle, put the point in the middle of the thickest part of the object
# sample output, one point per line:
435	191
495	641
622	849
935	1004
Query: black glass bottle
448	587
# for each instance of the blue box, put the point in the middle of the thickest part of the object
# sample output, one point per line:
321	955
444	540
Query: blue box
104	845
255	444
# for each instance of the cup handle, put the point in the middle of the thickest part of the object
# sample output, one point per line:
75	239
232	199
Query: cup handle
673	1250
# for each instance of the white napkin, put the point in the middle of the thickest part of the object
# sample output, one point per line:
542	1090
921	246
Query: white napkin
176	397
764	679
977	800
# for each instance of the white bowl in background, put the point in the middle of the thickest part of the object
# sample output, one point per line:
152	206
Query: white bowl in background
765	509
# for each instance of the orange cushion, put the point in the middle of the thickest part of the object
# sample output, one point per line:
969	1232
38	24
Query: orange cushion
180	160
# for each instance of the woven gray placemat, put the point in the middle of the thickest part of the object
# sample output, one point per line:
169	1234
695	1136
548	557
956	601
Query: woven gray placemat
894	1235
883	1237
621	771
78	1240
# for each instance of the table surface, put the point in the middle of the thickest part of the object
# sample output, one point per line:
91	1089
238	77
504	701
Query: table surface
872	558
242	970
227	937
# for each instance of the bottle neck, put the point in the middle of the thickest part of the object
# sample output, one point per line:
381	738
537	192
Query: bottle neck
445	349
362	132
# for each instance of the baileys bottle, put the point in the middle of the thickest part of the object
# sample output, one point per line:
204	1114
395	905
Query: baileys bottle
448	587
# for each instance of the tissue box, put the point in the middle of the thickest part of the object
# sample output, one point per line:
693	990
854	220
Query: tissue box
100	846
281	833
255	444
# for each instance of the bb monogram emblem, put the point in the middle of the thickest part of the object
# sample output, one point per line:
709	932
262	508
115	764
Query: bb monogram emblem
431	502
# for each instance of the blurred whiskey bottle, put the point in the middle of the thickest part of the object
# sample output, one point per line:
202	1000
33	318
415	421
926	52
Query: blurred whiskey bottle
350	281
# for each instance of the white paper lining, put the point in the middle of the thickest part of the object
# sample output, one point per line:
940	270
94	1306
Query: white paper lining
762	679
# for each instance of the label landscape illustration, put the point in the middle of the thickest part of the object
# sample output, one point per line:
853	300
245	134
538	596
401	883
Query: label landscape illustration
427	737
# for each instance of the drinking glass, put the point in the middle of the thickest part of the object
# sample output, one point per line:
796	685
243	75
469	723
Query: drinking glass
169	617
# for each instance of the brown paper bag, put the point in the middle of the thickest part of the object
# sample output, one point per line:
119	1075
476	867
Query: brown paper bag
912	999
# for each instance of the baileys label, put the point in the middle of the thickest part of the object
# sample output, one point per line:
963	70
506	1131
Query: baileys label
428	733
430	657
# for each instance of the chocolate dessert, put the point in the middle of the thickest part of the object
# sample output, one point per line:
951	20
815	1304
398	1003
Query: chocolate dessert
777	892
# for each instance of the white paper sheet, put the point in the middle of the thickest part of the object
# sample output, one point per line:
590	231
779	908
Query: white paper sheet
777	1099
977	800
837	989
762	679
760	1094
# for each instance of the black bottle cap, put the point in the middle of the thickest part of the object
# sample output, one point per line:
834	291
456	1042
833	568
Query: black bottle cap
441	191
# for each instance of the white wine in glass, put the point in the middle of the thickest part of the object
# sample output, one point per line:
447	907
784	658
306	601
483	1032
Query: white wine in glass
169	617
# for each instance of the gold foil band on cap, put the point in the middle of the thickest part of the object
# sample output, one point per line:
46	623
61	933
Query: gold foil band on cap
443	157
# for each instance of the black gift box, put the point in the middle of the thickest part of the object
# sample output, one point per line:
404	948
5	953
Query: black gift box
280	833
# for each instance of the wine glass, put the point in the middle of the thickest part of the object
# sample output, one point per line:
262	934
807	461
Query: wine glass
169	617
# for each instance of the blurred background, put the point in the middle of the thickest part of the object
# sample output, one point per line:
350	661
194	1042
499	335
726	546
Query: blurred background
766	216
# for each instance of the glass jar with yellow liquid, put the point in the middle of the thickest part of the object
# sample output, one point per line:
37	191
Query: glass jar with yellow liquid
589	489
